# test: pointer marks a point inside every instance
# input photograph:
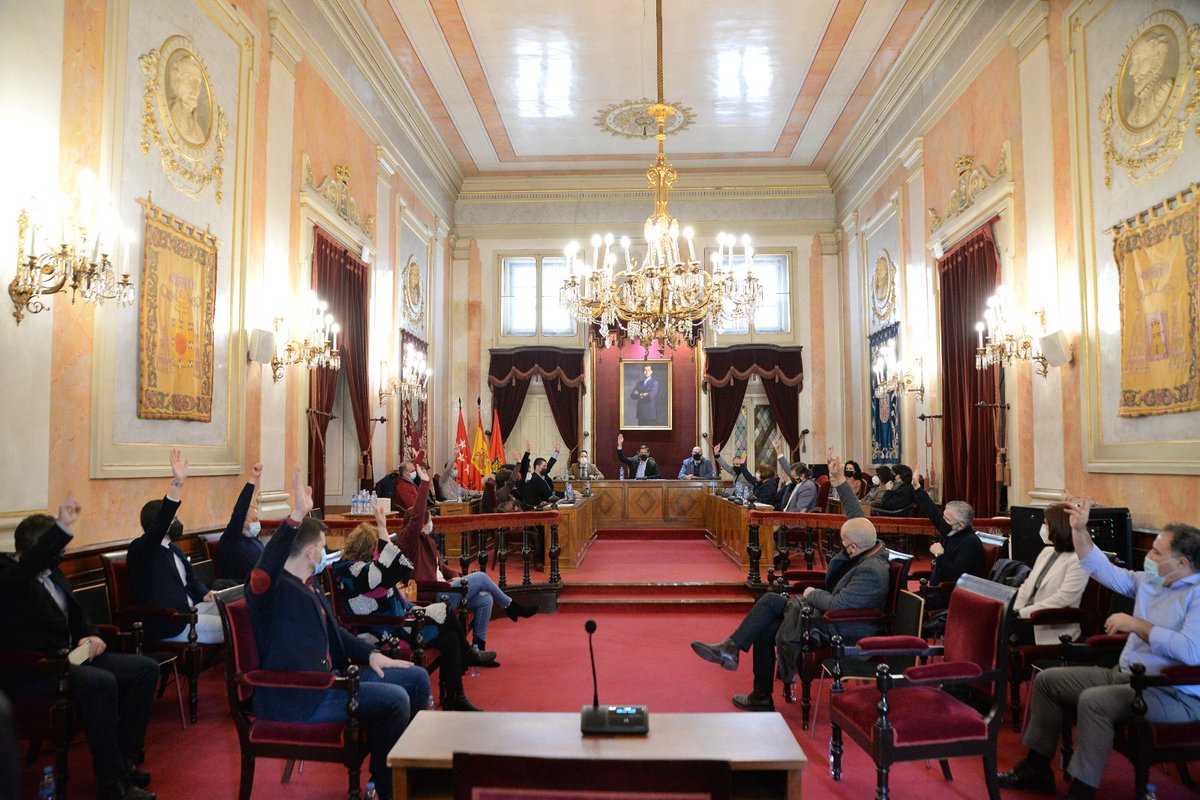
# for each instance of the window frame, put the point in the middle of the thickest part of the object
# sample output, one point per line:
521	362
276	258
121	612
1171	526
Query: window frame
539	336
784	337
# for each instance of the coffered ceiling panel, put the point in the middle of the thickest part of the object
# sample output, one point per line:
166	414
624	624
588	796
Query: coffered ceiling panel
517	85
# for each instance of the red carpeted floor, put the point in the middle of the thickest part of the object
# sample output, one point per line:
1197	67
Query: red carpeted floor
640	657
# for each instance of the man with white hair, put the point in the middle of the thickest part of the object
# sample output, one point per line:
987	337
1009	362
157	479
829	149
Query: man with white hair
958	553
857	577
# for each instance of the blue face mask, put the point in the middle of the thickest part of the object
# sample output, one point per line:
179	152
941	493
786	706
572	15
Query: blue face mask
1153	575
412	476
320	566
454	472
254	529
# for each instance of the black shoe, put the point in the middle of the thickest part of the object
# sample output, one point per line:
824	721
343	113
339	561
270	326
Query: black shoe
459	702
481	658
724	653
518	610
1029	778
124	790
138	777
754	702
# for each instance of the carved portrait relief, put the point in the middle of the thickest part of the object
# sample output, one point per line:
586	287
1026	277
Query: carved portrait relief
413	291
188	99
883	287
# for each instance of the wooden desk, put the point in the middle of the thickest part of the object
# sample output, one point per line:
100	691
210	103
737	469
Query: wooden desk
759	747
648	503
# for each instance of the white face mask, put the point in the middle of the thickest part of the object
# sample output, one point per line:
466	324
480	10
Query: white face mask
583	460
254	529
428	527
1044	533
874	480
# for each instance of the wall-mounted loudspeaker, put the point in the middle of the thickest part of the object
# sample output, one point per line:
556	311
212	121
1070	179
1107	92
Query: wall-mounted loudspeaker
1056	348
262	346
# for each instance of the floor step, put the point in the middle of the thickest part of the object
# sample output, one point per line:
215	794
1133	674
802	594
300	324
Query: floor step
654	534
653	605
664	589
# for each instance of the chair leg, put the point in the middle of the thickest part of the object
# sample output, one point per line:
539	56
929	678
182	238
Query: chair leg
1014	694
247	780
945	765
192	665
835	753
817	708
1185	776
881	782
353	774
287	770
989	775
1141	776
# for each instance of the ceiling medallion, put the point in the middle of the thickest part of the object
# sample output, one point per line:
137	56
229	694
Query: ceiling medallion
632	119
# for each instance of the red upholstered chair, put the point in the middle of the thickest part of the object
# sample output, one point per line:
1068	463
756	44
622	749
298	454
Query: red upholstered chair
1146	743
822	504
438	494
337	742
498	777
893	723
212	544
124	613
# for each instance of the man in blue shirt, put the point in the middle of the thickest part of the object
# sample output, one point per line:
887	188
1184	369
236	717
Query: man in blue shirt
1164	631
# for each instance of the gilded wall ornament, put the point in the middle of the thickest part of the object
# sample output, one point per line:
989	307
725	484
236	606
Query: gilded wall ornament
335	189
181	115
413	292
1140	110
972	181
883	288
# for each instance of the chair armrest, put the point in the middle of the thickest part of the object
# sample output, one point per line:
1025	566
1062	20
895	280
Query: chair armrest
853	614
816	576
1056	616
154	612
1107	641
30	661
1180	675
921	573
943	672
895	646
287	679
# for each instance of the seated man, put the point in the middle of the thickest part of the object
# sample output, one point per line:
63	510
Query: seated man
416	541
899	498
801	494
239	548
737	469
404	490
584	469
161	575
641	467
539	487
959	553
1164	631
112	691
857	577
295	629
697	466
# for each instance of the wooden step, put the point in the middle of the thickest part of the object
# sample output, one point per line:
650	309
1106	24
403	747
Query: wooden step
653	605
652	534
663	589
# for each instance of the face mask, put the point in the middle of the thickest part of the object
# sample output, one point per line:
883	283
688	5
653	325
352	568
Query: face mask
175	532
642	456
1044	532
454	472
412	476
874	480
319	567
1153	575
697	456
428	529
254	529
849	473
583	460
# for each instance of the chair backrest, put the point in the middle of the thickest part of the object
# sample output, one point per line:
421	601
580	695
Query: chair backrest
437	487
500	777
822	493
897	580
991	552
116	579
212	547
241	651
977	625
489	497
910	614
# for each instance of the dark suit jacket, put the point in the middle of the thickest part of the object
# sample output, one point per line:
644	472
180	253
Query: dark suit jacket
898	498
154	578
767	491
237	552
295	629
647	407
536	489
29	617
963	553
631	465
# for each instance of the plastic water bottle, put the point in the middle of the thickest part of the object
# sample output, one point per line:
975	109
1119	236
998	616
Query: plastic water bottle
47	787
621	473
568	492
1151	792
370	793
587	488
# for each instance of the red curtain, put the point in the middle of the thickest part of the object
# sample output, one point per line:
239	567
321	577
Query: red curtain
341	280
968	275
561	371
781	370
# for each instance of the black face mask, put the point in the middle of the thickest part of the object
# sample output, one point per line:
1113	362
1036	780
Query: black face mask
175	532
849	473
643	456
697	457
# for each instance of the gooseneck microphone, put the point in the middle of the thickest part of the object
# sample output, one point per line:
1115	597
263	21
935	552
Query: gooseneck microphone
606	720
590	627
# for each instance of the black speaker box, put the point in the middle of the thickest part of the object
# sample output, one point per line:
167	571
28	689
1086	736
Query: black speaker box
1111	528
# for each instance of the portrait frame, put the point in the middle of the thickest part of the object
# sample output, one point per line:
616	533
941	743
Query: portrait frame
175	51
632	375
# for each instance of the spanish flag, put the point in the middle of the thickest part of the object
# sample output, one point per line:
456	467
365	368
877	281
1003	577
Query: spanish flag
479	453
496	446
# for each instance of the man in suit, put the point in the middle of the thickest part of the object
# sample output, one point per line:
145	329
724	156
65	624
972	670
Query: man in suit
239	549
697	466
646	395
538	487
958	553
641	467
801	493
900	497
161	575
296	629
584	469
112	691
737	469
857	577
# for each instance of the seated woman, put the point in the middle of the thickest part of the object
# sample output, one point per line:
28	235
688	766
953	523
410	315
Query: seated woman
1056	580
766	488
857	480
881	482
371	574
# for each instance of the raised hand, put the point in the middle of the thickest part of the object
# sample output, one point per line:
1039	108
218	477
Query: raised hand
302	502
179	467
836	476
716	449
256	473
620	440
528	449
380	520
557	448
68	511
422	474
1078	513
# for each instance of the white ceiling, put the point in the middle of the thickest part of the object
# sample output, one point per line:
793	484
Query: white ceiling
515	86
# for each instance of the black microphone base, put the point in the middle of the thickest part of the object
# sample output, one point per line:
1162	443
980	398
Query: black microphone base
609	720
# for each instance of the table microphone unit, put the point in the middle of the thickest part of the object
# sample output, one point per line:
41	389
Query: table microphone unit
607	720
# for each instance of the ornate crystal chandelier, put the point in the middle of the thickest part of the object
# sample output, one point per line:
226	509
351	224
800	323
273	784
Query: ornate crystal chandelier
1006	340
412	385
667	294
891	374
312	346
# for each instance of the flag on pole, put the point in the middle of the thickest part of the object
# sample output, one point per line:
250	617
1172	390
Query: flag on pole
496	446
479	452
462	456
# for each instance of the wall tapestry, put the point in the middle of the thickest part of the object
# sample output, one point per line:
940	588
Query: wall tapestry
175	320
1160	313
414	433
885	424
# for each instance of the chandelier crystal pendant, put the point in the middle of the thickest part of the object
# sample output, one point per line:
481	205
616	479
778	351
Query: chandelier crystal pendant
413	384
893	376
312	346
667	294
1003	340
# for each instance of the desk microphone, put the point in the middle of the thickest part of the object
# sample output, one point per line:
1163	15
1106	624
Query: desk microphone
607	720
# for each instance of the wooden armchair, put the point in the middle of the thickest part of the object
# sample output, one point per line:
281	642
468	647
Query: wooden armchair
338	742
1146	743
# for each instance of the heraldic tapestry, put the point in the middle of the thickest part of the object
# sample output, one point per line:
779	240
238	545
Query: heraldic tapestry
175	320
1160	313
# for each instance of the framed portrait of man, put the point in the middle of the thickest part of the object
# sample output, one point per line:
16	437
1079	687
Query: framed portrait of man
646	394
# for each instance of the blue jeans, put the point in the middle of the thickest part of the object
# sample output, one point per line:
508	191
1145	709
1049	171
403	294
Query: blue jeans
386	705
482	591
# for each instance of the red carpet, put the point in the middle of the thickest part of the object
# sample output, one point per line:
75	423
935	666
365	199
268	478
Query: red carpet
641	658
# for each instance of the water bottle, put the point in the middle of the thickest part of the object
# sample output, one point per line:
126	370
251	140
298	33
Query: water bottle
1151	792
568	492
47	787
621	473
370	793
587	488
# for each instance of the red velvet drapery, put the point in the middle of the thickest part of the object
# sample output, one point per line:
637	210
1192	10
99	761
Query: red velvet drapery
561	371
968	275
727	372
342	280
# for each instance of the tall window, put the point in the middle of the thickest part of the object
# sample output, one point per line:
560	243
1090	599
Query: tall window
774	273
529	296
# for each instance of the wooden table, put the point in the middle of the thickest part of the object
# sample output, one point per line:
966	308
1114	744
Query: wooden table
648	503
760	748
